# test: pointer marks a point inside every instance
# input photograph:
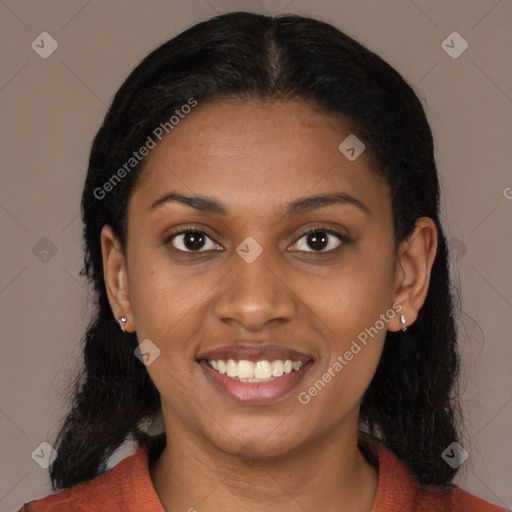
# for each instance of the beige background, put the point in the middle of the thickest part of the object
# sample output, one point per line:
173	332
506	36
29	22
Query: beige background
51	109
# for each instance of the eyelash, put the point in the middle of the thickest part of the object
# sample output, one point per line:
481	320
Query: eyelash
190	229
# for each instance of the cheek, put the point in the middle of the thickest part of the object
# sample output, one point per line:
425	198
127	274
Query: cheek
355	294
351	354
355	307
160	296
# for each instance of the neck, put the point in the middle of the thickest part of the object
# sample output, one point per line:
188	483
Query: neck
329	474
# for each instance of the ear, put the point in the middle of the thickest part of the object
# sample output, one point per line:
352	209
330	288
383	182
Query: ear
412	273
116	277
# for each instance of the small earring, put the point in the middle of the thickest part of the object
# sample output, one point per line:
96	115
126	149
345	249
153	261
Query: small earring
121	322
402	321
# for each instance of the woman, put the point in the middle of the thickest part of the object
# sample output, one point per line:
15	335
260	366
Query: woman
261	225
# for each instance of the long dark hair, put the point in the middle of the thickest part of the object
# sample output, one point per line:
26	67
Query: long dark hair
412	402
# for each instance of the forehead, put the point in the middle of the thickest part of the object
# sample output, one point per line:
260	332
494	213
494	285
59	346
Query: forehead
250	153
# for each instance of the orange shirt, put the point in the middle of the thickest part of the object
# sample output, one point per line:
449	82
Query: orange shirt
128	487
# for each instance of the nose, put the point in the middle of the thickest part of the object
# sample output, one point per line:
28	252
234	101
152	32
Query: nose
255	295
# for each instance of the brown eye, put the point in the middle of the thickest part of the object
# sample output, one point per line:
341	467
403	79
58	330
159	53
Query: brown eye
319	239
192	240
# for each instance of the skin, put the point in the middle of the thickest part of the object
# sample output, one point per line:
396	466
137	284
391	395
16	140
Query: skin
256	158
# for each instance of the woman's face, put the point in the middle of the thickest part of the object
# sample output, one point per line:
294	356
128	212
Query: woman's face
253	279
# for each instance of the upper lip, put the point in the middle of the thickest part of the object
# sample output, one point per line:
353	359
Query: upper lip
255	353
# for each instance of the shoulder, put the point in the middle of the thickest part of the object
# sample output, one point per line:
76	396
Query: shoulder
399	490
454	499
126	483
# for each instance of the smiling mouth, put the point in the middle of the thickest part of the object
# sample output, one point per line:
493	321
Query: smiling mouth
254	372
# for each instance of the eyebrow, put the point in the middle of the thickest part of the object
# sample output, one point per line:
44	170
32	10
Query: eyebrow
301	205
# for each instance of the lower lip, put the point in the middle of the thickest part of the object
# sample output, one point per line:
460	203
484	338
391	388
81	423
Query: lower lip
254	392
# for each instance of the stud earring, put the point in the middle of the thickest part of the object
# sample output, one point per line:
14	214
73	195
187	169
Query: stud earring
402	322
121	322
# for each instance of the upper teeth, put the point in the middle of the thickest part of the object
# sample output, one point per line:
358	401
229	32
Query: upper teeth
245	370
